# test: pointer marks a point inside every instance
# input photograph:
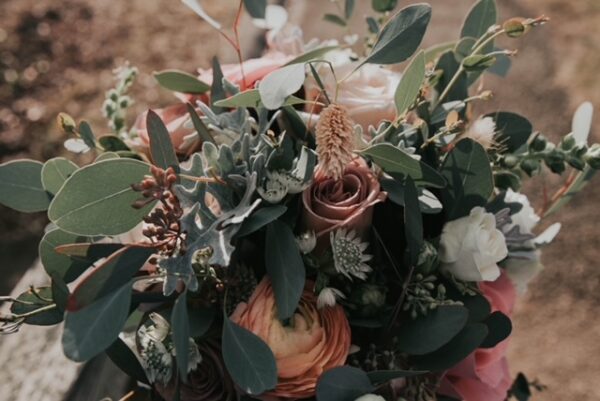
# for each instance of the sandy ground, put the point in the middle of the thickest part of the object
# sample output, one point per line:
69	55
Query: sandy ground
57	56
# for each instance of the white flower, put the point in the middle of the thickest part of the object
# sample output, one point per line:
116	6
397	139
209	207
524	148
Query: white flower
526	218
482	131
522	270
370	397
471	247
307	241
348	254
328	297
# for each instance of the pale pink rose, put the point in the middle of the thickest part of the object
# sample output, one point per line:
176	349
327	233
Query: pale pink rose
174	117
484	375
347	202
255	69
368	93
317	339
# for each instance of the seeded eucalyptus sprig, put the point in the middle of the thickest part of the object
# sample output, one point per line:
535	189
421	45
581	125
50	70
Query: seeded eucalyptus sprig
117	101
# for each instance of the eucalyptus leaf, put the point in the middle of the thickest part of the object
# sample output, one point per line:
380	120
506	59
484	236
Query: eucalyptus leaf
107	156
62	265
55	172
60	292
260	219
21	186
480	18
432	53
413	228
312	54
251	98
249	361
256	8
181	335
112	274
199	125
198	9
336	19
122	356
161	147
409	87
179	81
401	36
395	161
29	302
87	135
349	6
217	90
276	86
285	268
91	330
112	143
428	333
97	199
344	383
469	175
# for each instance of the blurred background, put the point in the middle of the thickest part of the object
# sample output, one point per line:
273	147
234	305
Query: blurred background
58	56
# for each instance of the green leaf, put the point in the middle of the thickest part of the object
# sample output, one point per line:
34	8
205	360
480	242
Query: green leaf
181	335
409	87
285	268
461	346
395	161
201	320
112	274
249	361
349	6
217	91
336	19
384	376
161	147
312	54
199	126
428	202
513	130
180	81
430	332
55	172
251	98
91	330
260	218
122	356
499	328
28	302
21	186
112	143
413	222
432	53
107	156
60	292
62	265
478	62
256	8
344	383
401	36
449	66
383	6
86	133
469	175
480	18
97	199
276	86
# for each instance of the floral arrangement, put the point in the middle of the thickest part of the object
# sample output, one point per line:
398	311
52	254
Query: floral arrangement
310	224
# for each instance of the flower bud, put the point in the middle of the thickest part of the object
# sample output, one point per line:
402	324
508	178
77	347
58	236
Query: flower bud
515	27
478	62
576	163
538	143
592	157
66	123
568	142
510	161
530	166
428	259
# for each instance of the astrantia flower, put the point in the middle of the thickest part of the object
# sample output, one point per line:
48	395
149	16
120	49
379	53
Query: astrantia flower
328	297
335	140
348	254
482	131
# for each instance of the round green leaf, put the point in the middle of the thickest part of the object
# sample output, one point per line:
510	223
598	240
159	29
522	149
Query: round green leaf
279	84
410	85
55	172
97	199
249	361
513	130
344	383
55	263
28	302
21	186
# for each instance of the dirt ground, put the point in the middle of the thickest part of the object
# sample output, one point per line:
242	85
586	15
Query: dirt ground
57	56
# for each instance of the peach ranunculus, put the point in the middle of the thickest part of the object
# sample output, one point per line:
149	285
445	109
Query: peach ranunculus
348	202
484	375
317	339
368	93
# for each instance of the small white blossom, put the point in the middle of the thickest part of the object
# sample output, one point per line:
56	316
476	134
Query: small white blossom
526	218
370	397
348	254
482	131
471	247
328	297
307	241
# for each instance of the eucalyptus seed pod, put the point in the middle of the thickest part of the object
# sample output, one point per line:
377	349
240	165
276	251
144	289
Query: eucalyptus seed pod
539	143
568	142
592	157
515	27
530	166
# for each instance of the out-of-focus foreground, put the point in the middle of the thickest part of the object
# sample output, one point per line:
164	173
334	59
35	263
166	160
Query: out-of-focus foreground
58	56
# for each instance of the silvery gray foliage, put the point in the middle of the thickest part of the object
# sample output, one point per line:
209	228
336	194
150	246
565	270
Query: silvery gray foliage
214	238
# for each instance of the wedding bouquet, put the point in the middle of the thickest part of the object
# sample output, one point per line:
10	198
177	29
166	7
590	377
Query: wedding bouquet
317	223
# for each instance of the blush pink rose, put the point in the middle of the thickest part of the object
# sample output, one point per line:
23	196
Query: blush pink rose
347	202
484	375
317	339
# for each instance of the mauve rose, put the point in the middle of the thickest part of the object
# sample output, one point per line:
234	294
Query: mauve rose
317	339
347	202
484	375
209	382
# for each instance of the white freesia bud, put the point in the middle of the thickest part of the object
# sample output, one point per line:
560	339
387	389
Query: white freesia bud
522	270
328	297
471	247
526	218
306	241
370	397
